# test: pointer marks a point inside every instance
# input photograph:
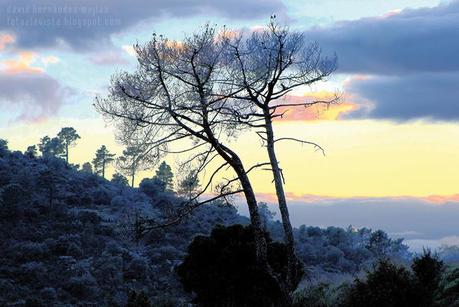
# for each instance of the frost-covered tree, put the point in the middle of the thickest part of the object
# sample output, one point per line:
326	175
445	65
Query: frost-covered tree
189	185
86	167
3	145
102	160
51	147
164	173
31	151
119	179
68	137
131	162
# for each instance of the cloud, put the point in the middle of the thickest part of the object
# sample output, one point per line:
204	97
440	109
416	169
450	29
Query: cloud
409	57
27	91
5	39
108	58
49	60
36	96
83	24
432	96
23	64
403	42
332	111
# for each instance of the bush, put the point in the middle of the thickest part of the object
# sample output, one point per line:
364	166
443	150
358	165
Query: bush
321	295
427	269
390	285
222	269
448	288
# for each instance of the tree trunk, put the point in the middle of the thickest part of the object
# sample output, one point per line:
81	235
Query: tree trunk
280	193
260	239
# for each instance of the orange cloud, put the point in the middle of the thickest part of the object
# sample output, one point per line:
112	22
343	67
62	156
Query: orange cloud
441	199
23	64
6	39
332	111
311	198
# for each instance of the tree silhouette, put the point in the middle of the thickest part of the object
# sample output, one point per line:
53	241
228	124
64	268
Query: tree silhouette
189	185
3	146
131	162
120	179
51	147
68	137
86	167
102	160
49	180
222	269
174	103
164	173
31	151
268	65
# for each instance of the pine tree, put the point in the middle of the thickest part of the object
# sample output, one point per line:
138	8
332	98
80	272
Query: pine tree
51	147
188	186
102	160
131	162
68	137
164	173
31	151
86	167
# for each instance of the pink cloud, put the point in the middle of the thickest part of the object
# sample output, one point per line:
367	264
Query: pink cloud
331	111
6	39
22	64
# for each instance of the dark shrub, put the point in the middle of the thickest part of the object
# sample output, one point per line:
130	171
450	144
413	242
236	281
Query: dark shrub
222	269
388	285
427	269
138	300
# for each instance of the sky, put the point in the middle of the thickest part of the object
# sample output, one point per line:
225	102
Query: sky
392	144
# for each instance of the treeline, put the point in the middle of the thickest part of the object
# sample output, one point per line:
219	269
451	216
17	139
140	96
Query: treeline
128	164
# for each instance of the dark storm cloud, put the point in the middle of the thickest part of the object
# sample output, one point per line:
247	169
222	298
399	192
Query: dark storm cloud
411	55
88	23
414	40
37	96
432	96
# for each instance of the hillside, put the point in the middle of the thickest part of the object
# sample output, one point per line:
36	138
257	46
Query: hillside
68	237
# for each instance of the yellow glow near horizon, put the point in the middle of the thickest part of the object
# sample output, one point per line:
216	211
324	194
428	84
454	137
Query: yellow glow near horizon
363	157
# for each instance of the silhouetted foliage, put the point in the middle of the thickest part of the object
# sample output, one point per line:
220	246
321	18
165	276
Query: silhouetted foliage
87	167
31	151
3	146
139	299
447	293
164	174
119	179
392	285
222	269
188	186
427	269
387	285
51	147
68	137
102	160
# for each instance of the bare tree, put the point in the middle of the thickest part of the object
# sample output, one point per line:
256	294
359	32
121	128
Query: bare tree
268	65
175	103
